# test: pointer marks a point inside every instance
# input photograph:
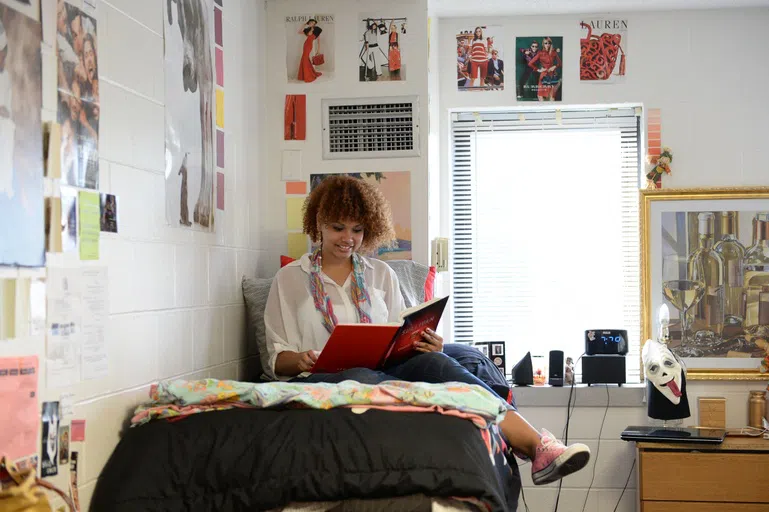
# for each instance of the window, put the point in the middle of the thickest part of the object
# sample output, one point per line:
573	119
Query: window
545	228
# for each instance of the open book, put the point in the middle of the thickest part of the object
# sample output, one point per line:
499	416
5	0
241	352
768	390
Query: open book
375	345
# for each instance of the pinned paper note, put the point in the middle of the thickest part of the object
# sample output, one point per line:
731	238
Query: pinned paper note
294	213
18	406
296	187
77	431
297	245
291	166
90	224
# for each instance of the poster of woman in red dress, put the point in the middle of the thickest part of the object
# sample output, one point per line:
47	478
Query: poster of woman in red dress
310	47
538	69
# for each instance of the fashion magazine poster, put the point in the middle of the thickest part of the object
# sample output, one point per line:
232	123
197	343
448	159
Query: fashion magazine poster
538	68
603	50
22	210
188	28
310	40
78	112
480	59
380	51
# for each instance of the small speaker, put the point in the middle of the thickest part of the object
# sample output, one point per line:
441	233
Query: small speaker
603	369
556	368
523	374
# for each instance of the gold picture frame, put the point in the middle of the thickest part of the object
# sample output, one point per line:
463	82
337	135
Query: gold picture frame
668	223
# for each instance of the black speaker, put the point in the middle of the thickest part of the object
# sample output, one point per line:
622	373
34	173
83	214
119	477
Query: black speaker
603	369
556	368
523	374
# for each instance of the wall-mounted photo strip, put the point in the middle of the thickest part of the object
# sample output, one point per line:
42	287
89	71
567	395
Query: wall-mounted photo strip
78	110
538	68
310	40
603	49
380	54
480	61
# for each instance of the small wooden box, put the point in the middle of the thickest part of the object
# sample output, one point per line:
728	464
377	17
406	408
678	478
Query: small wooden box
712	412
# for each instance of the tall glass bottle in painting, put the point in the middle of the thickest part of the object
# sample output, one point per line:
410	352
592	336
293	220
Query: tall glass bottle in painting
756	268
709	312
732	253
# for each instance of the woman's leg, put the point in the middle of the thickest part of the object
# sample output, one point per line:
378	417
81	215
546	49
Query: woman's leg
362	375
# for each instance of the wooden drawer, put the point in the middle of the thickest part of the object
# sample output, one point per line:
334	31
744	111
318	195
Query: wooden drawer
704	476
681	506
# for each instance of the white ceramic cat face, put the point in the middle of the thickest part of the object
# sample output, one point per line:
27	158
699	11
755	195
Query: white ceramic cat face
663	370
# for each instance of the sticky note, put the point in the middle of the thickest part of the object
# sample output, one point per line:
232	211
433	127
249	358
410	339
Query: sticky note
90	224
294	213
296	187
77	431
220	108
297	245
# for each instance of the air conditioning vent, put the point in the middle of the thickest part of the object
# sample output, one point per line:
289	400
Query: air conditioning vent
377	127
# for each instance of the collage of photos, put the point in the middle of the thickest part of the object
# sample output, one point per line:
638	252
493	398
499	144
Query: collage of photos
539	68
78	94
381	49
480	63
310	45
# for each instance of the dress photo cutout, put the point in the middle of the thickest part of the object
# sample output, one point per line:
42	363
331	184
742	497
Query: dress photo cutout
189	84
310	40
380	54
538	68
480	60
603	49
22	210
78	109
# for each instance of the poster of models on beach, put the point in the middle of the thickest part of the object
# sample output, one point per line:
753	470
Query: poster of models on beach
603	48
538	68
22	210
310	40
480	64
189	85
380	54
78	111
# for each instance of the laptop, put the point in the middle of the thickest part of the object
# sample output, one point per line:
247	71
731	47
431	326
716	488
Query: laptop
673	434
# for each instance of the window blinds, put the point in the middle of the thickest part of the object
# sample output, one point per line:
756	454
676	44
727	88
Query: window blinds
481	265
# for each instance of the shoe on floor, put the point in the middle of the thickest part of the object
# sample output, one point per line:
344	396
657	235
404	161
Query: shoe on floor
554	460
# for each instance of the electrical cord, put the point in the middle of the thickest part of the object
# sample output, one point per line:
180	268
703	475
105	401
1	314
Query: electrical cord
565	435
598	449
623	489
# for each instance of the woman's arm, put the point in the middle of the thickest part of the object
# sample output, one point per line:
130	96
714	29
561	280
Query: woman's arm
283	350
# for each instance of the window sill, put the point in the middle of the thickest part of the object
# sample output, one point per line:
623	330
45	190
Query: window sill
627	395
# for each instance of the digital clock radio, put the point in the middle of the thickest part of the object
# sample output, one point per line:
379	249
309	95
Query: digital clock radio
606	341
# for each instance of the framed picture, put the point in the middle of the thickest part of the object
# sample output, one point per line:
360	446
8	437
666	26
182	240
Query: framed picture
705	255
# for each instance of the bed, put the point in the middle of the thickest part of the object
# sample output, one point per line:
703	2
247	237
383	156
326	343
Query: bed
307	459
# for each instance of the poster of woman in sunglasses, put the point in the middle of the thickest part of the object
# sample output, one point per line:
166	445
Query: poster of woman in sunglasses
380	55
539	68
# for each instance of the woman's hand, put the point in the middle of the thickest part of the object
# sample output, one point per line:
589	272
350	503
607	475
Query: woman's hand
431	342
307	360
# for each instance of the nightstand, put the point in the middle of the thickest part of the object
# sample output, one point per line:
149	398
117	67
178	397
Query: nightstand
686	477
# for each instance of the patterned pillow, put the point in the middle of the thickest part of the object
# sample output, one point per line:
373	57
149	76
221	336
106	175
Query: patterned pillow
255	293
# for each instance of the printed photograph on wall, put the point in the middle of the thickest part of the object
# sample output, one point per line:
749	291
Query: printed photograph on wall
538	68
480	62
49	465
396	188
603	48
22	210
78	83
295	117
380	54
310	40
709	264
30	8
108	213
189	85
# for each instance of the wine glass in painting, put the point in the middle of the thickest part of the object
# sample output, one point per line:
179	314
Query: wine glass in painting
680	289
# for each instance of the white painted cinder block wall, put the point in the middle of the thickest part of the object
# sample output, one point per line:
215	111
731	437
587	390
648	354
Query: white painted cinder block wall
175	301
702	69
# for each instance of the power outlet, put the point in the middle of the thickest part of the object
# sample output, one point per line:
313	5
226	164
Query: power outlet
440	254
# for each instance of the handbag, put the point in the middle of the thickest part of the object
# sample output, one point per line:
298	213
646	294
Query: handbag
25	492
318	59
